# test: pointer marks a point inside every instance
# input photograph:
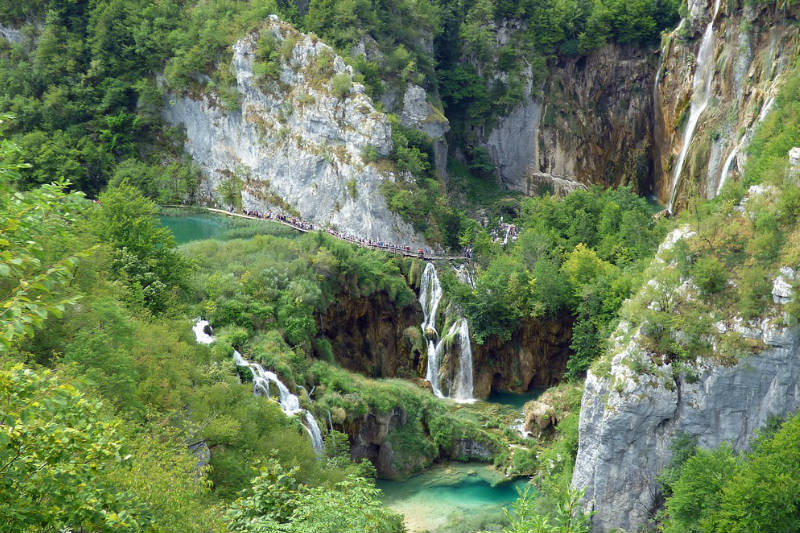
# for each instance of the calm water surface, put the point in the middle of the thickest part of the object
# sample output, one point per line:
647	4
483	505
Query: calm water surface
456	497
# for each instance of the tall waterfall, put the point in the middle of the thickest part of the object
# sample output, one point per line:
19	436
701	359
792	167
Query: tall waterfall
701	92
746	137
290	403
461	388
430	294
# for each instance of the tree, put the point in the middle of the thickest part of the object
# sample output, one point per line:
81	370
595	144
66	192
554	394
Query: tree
56	448
277	501
568	518
144	253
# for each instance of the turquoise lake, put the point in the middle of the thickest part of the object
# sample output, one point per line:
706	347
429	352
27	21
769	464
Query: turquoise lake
454	497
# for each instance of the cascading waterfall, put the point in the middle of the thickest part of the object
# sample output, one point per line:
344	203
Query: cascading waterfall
462	388
726	167
430	294
701	93
289	403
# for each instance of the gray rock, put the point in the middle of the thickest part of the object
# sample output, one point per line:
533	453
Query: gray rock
782	286
419	113
12	35
293	143
468	449
628	421
794	165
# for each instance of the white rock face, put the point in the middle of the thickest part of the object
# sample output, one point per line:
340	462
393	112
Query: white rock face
12	35
417	112
631	415
293	143
794	164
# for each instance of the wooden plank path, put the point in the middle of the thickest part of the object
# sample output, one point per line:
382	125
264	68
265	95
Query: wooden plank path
395	250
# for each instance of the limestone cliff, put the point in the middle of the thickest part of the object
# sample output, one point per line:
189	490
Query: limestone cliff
752	47
589	123
536	356
294	144
373	336
636	401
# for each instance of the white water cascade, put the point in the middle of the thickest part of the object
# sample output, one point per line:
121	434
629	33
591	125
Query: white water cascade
462	388
430	294
701	93
290	403
726	167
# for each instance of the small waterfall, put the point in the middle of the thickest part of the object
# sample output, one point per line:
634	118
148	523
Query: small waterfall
290	403
462	389
726	167
202	331
701	93
430	294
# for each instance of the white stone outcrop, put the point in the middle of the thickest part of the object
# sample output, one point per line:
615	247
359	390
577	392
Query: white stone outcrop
295	145
633	409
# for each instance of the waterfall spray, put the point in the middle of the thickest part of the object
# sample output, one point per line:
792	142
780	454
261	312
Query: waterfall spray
289	403
701	93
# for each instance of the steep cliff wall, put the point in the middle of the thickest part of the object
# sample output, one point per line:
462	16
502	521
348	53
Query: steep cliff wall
638	399
294	144
373	336
752	48
589	123
536	356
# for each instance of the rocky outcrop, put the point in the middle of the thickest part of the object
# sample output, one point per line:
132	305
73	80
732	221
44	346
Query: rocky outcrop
793	174
628	423
753	46
636	402
591	123
294	144
369	440
536	356
371	335
419	113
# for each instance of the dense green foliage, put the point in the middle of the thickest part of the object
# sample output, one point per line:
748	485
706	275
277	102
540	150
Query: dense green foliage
718	490
113	417
580	256
82	81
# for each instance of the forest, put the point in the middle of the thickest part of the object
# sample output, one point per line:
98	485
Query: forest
114	417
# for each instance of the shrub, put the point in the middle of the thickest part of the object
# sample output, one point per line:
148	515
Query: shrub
341	85
709	275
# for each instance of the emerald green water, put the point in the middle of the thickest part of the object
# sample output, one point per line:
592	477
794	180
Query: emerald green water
196	226
512	399
457	497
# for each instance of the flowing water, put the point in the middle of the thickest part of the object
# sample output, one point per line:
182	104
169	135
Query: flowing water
726	167
290	403
456	497
701	93
461	388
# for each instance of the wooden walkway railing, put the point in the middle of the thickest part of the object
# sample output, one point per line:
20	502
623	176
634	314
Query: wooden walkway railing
307	227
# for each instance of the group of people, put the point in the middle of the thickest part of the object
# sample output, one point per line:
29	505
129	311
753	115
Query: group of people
307	226
293	221
381	245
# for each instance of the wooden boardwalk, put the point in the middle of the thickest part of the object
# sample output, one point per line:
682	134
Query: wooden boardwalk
394	250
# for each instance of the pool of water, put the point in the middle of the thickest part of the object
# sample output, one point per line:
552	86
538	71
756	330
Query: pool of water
196	226
512	399
457	497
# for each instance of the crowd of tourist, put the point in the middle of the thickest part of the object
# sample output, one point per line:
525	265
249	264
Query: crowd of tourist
303	225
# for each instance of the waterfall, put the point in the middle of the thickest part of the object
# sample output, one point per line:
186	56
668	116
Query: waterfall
199	328
462	388
744	140
701	92
430	294
289	403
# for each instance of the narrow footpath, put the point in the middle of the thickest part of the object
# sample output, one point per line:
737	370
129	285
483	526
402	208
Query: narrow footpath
306	227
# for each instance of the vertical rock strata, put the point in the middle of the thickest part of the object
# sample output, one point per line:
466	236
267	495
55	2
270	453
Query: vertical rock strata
294	144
